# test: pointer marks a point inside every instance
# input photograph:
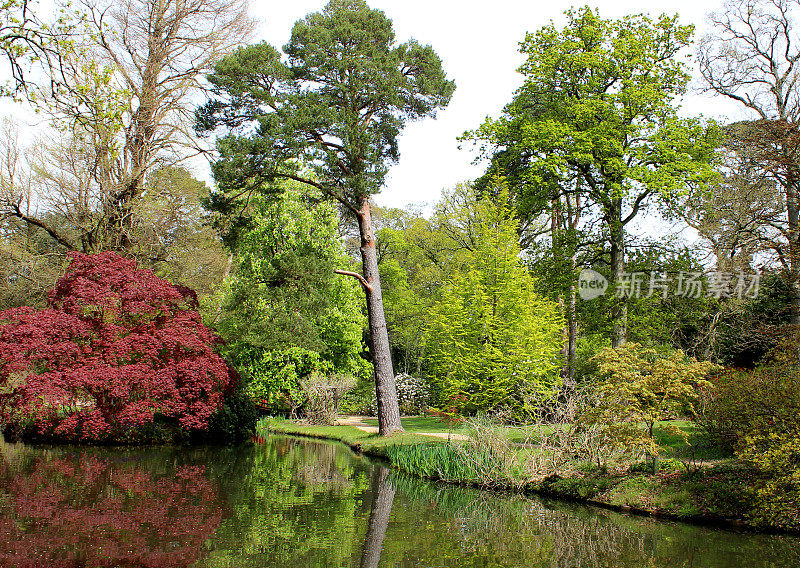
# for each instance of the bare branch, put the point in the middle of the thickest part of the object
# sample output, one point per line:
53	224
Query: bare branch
367	286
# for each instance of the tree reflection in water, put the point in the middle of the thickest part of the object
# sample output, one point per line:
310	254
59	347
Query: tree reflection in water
70	508
293	503
378	518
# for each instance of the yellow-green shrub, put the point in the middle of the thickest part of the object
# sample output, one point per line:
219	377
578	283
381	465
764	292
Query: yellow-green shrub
638	388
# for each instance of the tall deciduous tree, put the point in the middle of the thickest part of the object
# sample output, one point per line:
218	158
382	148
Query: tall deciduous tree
327	114
598	103
751	56
121	99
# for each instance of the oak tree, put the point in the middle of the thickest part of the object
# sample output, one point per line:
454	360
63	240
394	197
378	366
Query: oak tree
599	105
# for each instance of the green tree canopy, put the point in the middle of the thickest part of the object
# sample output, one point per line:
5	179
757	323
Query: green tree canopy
490	335
597	116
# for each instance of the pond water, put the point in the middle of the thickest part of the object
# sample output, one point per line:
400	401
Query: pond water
299	503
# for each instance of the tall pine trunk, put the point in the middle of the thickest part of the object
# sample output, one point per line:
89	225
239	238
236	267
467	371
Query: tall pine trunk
385	390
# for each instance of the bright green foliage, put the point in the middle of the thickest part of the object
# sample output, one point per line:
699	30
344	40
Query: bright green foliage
284	293
490	335
416	256
275	377
26	38
776	455
597	119
639	388
598	99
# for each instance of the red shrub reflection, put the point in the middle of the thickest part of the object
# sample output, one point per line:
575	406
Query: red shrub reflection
73	512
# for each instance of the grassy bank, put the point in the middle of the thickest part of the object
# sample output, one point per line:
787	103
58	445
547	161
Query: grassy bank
719	491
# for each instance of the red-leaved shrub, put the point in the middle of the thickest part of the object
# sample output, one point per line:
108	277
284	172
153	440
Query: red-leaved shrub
118	355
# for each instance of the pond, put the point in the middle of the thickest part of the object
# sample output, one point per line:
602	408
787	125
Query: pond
300	503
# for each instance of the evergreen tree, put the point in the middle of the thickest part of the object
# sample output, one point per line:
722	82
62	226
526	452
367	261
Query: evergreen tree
490	335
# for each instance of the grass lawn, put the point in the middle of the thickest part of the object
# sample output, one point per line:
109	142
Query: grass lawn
422	424
674	445
363	441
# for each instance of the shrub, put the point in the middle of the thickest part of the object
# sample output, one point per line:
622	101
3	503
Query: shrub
117	353
757	414
640	387
747	402
236	420
413	394
274	378
775	455
323	396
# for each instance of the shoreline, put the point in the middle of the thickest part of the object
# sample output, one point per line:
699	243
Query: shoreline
553	487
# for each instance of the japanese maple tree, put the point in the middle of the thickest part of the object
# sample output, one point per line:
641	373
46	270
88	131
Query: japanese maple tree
117	355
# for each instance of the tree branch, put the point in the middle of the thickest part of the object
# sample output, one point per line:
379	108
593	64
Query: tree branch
367	286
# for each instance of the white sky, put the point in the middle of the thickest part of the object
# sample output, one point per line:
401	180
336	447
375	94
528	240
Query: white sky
478	42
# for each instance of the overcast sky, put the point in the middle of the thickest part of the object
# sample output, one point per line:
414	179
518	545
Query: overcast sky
479	45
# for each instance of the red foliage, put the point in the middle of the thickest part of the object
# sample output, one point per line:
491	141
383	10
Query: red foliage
69	512
117	349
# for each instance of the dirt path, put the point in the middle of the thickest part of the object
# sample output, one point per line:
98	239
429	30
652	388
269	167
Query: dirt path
358	422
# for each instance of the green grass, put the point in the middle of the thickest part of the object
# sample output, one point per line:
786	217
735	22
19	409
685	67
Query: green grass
421	424
675	446
350	435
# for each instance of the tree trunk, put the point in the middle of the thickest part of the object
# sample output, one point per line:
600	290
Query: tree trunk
573	216
619	306
572	340
793	219
558	246
386	393
378	518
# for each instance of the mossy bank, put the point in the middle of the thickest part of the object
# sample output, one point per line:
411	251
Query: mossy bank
721	493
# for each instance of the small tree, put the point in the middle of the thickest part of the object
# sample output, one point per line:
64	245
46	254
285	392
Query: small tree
639	388
117	351
284	293
275	378
490	334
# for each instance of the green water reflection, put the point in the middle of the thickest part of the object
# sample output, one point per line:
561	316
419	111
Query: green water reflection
296	503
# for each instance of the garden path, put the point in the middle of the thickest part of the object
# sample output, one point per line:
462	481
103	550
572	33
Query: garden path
358	422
